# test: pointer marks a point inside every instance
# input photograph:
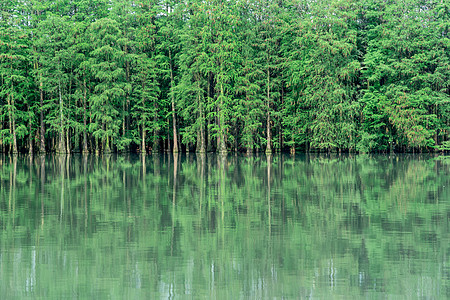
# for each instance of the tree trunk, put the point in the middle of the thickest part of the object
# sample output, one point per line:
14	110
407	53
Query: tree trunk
250	144
67	141
155	146
107	148
30	138
236	145
41	119
97	151
126	103
174	125
201	140
221	145
156	143
12	123
210	92
201	147
61	146
269	140
85	148
105	141
201	132
1	137
174	120
143	151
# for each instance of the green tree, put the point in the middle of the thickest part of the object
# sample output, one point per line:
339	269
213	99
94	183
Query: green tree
145	73
406	66
52	47
267	26
82	81
14	87
109	90
222	64
194	87
169	47
249	107
323	68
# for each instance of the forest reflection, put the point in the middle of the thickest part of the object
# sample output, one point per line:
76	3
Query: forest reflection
224	226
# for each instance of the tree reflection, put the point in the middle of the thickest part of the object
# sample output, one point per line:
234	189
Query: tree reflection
254	226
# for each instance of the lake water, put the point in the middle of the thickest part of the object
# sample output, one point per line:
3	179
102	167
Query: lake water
236	227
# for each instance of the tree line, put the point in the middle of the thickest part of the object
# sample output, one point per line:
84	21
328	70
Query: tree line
97	76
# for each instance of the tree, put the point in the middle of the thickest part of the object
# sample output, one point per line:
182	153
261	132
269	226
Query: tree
250	106
169	47
323	67
14	84
328	75
268	60
54	59
406	66
222	64
145	73
109	89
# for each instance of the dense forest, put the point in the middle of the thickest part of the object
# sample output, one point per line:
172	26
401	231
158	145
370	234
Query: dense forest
213	75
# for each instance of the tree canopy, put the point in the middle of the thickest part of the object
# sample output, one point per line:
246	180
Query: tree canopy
212	75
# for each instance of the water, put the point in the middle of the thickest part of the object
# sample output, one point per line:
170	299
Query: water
206	227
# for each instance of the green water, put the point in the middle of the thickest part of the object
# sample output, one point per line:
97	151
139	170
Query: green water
206	227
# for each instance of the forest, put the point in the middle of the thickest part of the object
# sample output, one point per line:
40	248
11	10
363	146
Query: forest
100	76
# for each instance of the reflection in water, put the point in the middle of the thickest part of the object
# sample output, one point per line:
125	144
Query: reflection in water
207	226
269	166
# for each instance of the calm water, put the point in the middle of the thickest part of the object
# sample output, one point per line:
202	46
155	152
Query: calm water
202	227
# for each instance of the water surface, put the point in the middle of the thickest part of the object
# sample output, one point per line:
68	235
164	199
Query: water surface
236	227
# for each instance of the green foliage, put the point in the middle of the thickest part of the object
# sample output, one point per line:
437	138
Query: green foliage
367	142
328	75
405	66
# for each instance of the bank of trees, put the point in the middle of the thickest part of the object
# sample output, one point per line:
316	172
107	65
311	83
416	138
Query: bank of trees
243	75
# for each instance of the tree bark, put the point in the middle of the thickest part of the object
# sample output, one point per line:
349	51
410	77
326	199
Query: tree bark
210	92
12	123
1	139
30	139
201	144
41	119
107	148
126	104
85	148
201	131
61	146
269	138
143	151
67	133
174	119
221	143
